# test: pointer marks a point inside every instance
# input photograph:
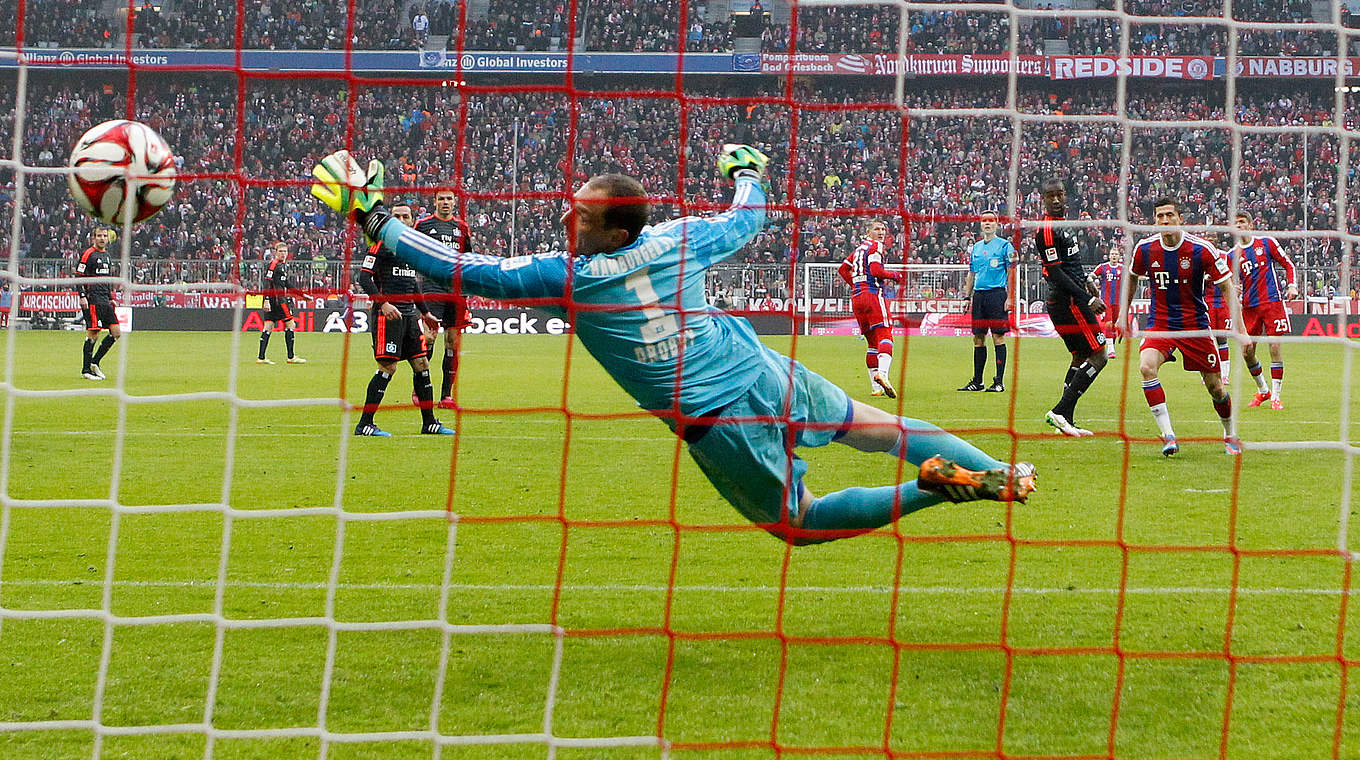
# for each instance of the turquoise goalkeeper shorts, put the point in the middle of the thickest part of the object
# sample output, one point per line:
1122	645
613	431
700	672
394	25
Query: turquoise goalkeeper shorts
750	460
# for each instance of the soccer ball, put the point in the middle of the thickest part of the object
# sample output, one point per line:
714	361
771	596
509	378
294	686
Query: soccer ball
113	156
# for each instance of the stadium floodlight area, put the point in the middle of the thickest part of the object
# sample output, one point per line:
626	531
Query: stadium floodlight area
1106	674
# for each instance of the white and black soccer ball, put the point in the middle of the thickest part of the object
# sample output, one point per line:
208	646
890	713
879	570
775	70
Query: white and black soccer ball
117	155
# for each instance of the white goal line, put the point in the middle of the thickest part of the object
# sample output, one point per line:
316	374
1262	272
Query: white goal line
679	588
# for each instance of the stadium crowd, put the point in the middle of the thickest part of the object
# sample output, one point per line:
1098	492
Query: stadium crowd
655	25
849	160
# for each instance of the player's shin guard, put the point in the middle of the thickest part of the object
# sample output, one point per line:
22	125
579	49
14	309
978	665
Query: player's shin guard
377	386
858	510
87	352
885	350
288	340
104	347
264	342
1224	364
450	369
979	362
1000	361
1224	408
1082	376
1276	379
1071	370
1255	370
1156	399
424	395
920	440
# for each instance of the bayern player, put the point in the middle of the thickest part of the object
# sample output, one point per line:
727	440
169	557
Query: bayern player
636	296
96	303
1263	311
864	272
1104	280
447	303
989	290
1176	264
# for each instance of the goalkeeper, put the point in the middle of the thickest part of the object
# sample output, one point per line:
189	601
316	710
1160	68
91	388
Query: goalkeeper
635	295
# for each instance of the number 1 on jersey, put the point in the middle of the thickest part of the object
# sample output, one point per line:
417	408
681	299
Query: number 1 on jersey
660	325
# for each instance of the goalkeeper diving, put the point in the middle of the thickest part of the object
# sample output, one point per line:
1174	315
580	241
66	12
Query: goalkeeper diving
635	296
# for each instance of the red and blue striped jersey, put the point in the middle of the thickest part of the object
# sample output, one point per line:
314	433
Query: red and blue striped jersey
866	268
1106	277
1176	278
1257	261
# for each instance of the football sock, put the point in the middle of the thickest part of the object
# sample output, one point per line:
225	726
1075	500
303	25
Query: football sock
450	367
1224	408
885	359
1000	361
88	351
1255	369
858	510
104	347
1276	378
1071	370
377	386
288	339
424	394
871	365
1223	362
264	342
1083	375
921	440
979	362
1156	398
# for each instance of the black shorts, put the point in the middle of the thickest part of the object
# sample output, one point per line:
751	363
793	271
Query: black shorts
451	311
989	312
278	311
100	316
397	339
1078	326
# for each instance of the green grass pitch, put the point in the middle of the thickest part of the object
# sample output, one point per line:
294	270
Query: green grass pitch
838	613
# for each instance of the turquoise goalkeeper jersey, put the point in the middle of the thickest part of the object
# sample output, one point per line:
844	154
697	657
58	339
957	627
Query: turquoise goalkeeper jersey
641	310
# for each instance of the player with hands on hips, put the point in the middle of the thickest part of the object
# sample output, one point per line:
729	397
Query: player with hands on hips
1263	311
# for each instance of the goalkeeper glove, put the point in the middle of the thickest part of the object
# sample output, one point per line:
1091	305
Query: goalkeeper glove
345	187
738	159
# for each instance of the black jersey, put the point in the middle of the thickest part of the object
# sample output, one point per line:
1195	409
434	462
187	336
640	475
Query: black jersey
453	233
276	282
1061	258
384	275
95	263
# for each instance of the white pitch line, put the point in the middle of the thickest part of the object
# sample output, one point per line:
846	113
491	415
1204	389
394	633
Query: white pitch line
103	434
643	588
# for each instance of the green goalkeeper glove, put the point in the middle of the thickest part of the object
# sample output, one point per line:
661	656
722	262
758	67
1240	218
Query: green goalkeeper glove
738	158
345	187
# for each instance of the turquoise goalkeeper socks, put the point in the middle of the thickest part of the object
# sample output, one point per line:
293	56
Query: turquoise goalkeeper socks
857	510
922	440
